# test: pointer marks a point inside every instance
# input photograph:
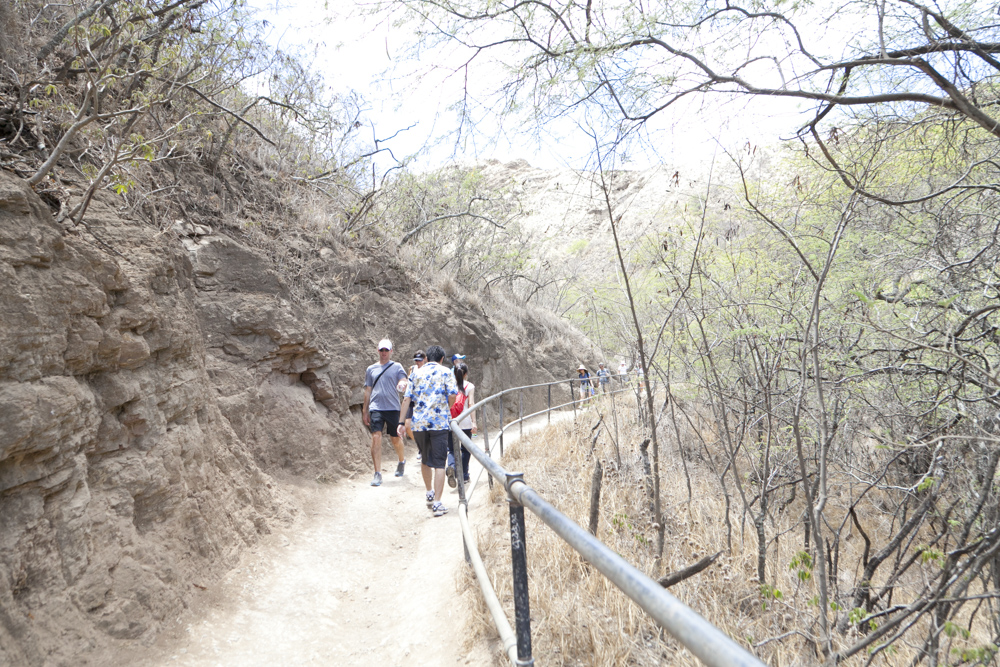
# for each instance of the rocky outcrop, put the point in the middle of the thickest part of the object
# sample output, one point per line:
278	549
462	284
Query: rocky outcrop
121	482
153	386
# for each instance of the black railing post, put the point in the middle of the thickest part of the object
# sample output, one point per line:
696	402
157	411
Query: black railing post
501	427
549	411
519	566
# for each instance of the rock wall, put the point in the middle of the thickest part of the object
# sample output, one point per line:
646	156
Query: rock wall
154	389
121	482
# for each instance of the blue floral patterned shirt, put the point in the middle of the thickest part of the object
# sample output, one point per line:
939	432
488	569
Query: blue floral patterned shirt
428	390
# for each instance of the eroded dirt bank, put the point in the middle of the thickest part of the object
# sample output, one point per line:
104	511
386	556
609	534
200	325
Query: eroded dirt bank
153	383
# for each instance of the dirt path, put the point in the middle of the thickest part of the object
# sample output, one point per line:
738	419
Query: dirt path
367	577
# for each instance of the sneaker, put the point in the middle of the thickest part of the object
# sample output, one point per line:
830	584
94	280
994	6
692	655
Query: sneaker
399	468
430	499
418	456
439	509
450	474
377	480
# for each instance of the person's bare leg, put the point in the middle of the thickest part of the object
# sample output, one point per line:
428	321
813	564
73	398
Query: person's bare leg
397	444
377	450
438	483
426	473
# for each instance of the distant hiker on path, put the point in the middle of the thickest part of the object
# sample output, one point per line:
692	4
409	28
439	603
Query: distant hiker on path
603	376
380	409
584	376
432	390
468	425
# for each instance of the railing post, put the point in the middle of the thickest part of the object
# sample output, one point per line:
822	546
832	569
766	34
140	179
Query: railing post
614	413
520	410
548	412
460	474
501	427
459	470
519	566
572	397
486	441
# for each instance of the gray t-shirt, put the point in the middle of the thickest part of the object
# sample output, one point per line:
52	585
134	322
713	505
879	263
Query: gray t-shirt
384	395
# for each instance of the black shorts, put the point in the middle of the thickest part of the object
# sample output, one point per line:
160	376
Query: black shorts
387	418
433	447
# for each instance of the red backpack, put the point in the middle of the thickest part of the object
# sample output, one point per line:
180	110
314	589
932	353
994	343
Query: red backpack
459	405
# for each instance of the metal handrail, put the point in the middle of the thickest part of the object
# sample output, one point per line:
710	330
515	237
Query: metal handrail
704	640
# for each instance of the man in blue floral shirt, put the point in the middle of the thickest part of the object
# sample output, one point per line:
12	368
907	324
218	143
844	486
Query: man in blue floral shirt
432	390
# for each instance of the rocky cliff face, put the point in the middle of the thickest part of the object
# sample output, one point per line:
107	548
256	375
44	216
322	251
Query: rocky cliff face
155	387
119	475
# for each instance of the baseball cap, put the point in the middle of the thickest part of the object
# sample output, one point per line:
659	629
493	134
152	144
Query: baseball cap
419	355
457	356
385	344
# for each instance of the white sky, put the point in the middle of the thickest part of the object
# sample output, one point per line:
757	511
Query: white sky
362	54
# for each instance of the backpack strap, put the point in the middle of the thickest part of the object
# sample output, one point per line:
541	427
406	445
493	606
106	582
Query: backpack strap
395	363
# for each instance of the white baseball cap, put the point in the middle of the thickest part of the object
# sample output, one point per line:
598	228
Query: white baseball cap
385	344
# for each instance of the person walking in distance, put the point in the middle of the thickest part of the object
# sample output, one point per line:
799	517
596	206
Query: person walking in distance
432	390
468	425
380	409
583	375
603	377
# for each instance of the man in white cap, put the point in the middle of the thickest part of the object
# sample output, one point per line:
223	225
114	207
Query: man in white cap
381	406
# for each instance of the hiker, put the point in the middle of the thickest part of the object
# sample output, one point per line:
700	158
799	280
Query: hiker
584	376
380	409
623	373
603	377
468	425
432	390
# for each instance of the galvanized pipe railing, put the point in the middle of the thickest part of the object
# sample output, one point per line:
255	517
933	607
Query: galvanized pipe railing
704	640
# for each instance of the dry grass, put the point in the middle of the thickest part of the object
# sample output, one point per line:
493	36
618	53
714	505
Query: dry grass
579	618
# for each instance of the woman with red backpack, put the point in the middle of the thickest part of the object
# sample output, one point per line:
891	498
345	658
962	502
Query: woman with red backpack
466	390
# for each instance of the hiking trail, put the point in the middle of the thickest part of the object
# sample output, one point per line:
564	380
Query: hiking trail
367	576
